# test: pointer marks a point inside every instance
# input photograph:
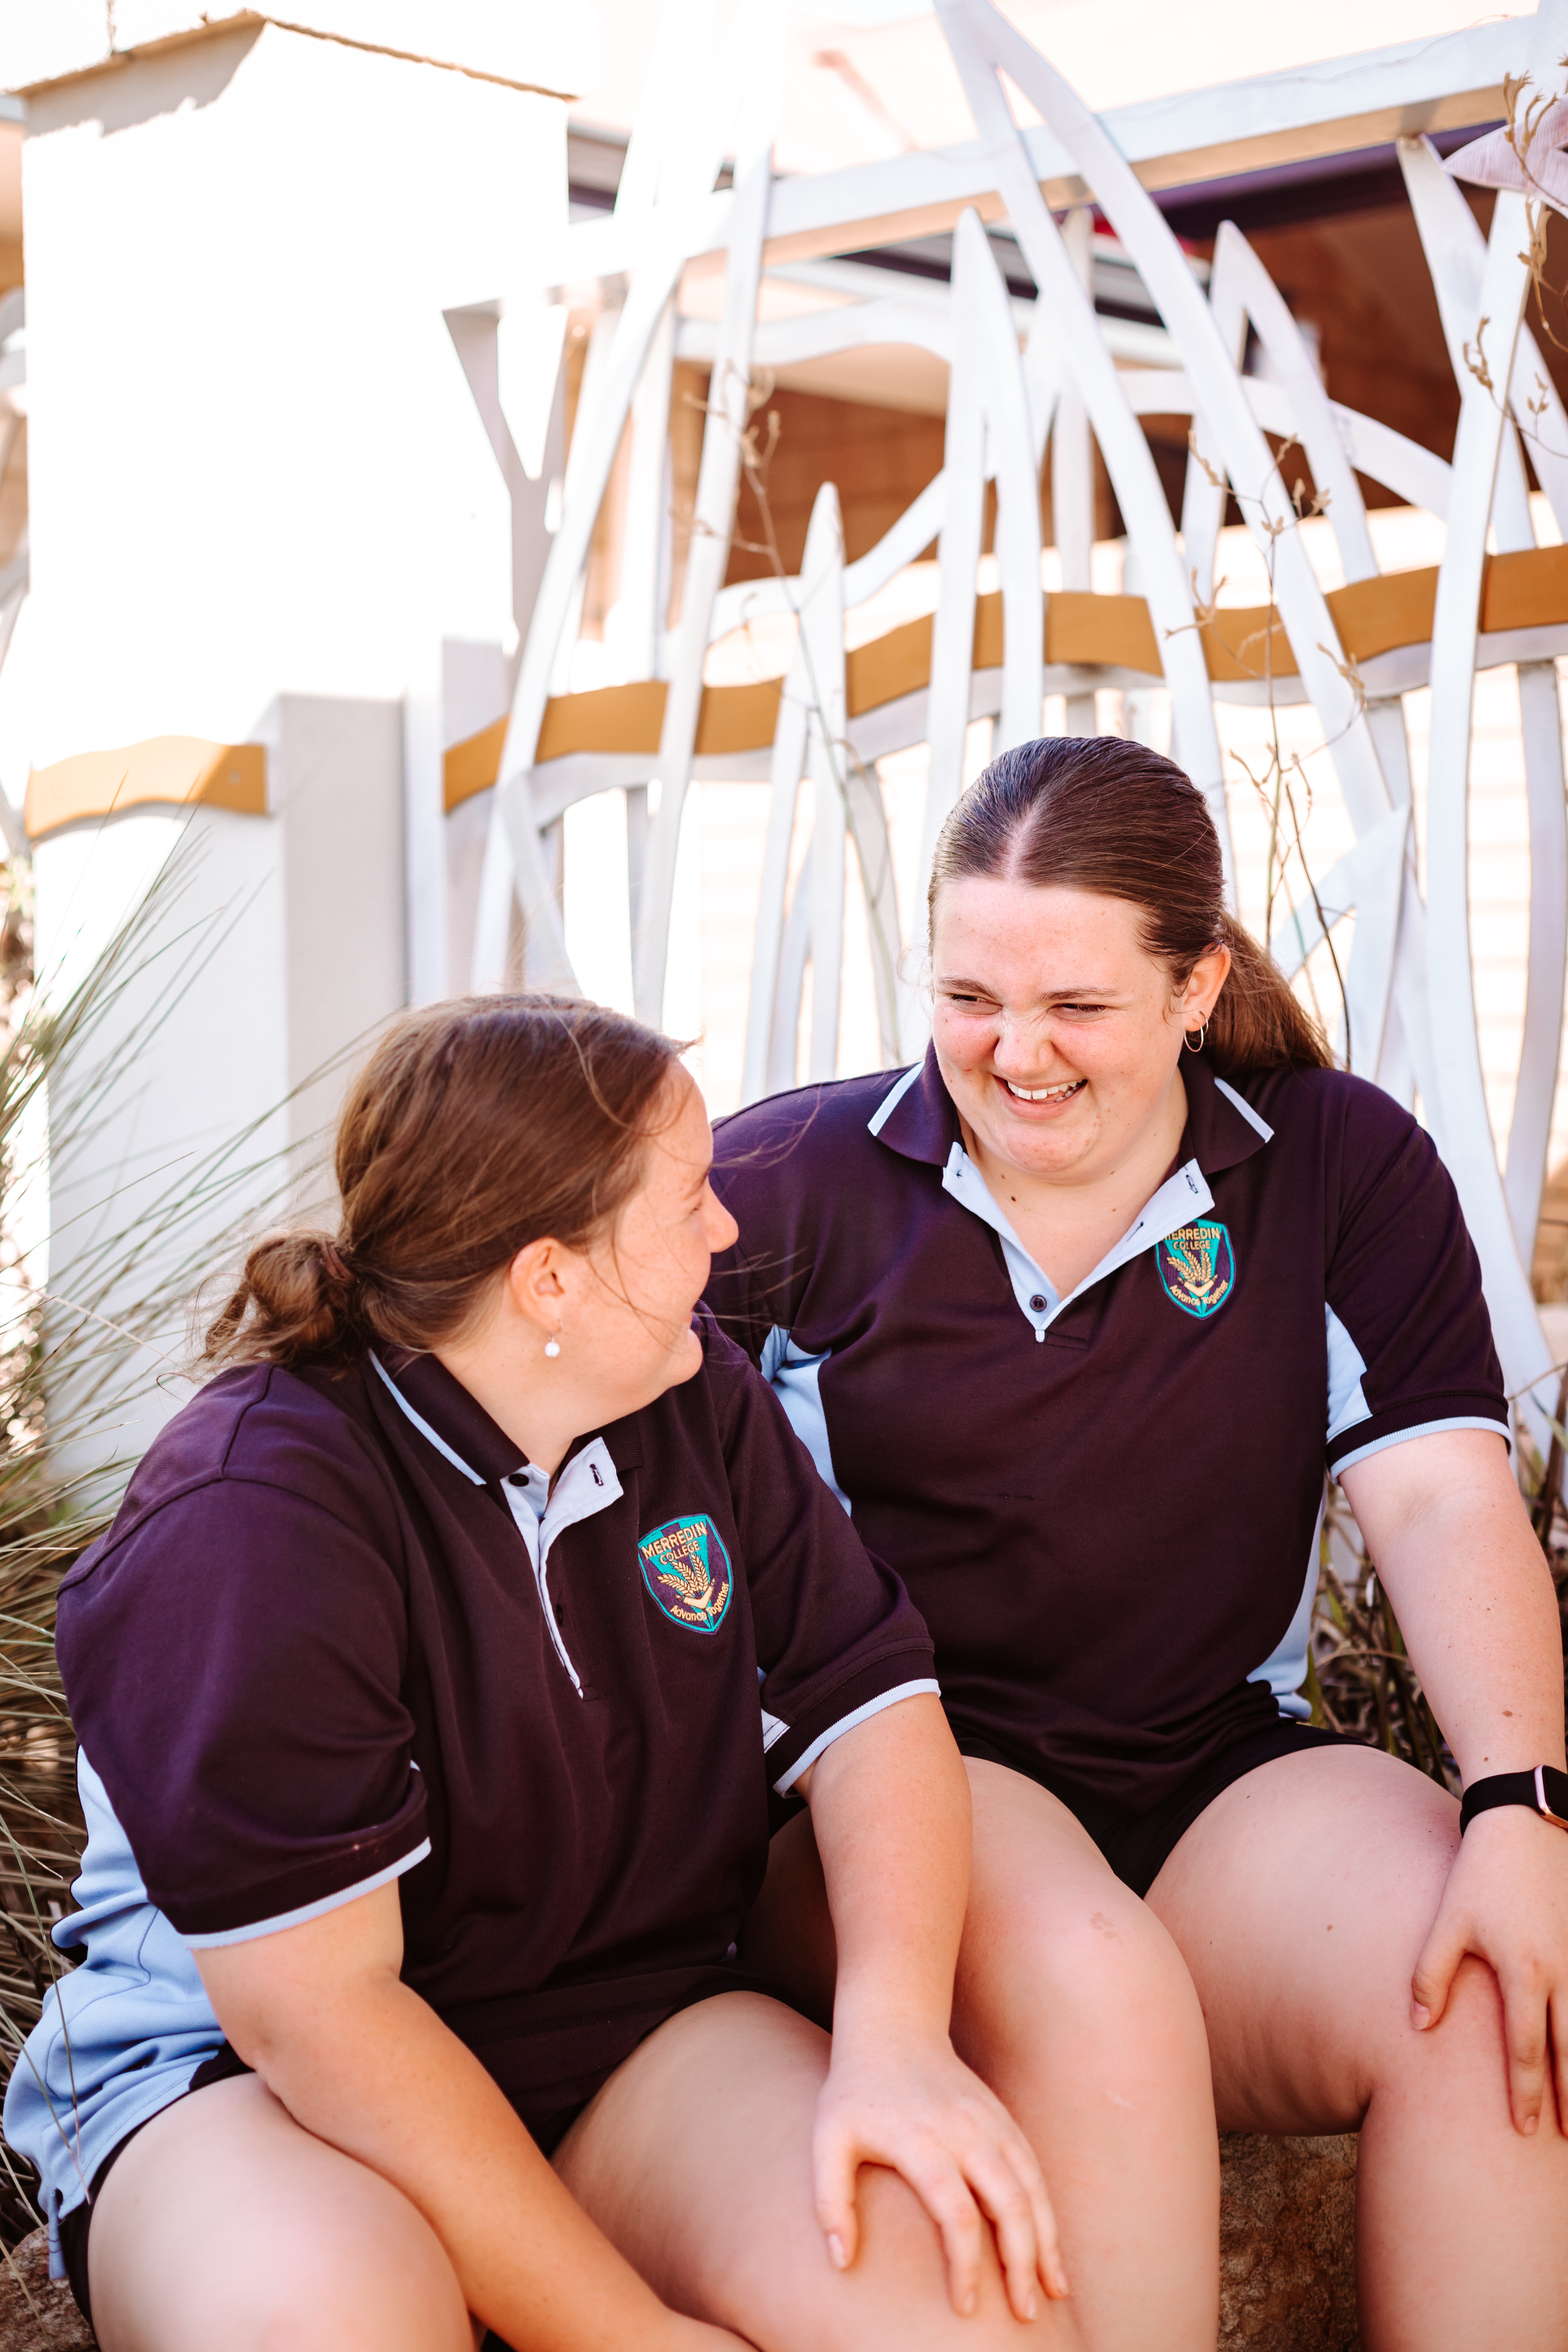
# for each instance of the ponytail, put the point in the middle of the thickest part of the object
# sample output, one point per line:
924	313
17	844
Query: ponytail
1258	1022
477	1126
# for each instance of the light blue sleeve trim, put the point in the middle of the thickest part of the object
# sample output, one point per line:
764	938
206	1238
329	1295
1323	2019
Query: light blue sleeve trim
307	1910
1285	1669
891	1101
847	1722
1347	1398
422	1426
1244	1107
1425	1429
795	1381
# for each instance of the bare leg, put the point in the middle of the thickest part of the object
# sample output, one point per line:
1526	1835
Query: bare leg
224	2223
1074	2004
695	2160
1301	1900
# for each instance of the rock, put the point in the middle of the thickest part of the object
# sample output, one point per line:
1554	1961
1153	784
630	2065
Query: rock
1287	2244
36	2316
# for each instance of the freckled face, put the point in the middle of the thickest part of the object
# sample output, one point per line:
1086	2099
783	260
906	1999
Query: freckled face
1057	1035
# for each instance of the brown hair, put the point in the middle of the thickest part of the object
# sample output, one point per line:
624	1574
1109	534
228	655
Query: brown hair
1098	812
477	1126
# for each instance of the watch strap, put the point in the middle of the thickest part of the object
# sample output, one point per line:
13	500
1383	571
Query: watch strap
1544	1790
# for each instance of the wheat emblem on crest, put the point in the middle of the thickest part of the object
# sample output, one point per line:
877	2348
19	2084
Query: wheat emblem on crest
1197	1268
686	1567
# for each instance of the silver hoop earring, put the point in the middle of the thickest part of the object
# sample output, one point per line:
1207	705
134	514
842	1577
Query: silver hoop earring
1202	1036
552	1345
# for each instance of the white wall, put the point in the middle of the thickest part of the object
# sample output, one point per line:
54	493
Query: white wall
261	498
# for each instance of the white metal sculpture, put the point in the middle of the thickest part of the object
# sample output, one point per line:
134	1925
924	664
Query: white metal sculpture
1032	384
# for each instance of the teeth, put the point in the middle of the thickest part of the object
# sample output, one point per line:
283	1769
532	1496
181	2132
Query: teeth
1045	1094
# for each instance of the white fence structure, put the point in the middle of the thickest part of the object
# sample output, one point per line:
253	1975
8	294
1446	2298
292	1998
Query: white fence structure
1031	383
300	680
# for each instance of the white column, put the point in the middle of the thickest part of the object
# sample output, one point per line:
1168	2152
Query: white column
261	500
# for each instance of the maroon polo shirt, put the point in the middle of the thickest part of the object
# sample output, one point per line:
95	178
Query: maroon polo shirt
327	1642
1105	1507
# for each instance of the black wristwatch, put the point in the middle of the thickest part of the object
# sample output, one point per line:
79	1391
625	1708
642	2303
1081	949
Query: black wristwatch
1544	1790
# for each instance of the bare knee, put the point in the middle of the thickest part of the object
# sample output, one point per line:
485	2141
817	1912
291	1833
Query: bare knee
284	2243
1091	1970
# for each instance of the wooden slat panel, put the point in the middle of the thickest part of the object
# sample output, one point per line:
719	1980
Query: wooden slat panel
1523	590
182	769
611	719
1115	630
1527	590
889	666
738	718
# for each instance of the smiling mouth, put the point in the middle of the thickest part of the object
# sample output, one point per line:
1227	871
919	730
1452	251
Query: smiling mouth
1046	1093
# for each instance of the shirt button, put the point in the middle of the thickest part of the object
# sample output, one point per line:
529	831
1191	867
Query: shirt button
1037	1303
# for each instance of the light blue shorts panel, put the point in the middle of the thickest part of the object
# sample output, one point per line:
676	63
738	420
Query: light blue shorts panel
122	2034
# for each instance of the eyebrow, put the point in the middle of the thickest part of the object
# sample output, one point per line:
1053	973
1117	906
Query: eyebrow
1048	996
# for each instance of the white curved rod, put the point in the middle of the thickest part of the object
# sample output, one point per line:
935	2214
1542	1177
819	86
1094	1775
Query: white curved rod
1455	254
1460	1116
985	43
1205	489
822	652
976	34
1238	275
1368	880
783	1052
821	334
920	522
762	1009
874	855
987	403
1529	1129
595	441
667	235
1418	475
1072	468
712	524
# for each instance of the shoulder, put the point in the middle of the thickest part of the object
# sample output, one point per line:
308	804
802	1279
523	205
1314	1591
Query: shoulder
810	1125
1338	1112
304	1438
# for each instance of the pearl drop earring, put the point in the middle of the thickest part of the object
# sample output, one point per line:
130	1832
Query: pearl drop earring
553	1346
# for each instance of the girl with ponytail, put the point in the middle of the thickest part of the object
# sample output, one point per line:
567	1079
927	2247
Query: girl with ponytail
433	1685
1074	1313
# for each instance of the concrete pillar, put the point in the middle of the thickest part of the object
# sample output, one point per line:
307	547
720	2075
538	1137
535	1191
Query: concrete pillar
261	500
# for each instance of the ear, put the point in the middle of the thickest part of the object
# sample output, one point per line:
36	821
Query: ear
539	1280
1209	975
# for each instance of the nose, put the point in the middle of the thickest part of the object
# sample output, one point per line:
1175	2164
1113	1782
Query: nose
719	1227
1025	1048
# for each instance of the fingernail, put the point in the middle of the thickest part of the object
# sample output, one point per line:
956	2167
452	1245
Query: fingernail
1031	2307
1419	2018
1530	2124
835	2251
971	2301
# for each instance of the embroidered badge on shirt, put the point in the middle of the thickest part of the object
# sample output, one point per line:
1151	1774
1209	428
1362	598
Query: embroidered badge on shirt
686	1568
1197	1267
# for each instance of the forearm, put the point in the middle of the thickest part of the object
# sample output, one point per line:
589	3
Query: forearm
1474	1598
889	1804
379	2076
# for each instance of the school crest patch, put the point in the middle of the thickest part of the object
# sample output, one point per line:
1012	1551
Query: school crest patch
686	1568
1197	1267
